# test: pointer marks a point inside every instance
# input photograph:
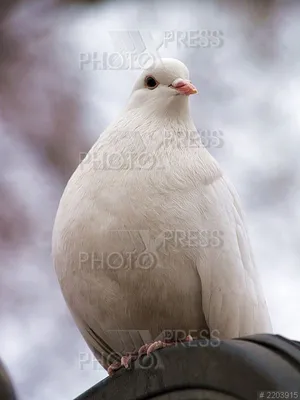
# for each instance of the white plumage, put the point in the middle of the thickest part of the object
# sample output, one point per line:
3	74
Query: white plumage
139	193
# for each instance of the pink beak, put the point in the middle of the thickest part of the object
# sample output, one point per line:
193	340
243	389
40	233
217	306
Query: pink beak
184	86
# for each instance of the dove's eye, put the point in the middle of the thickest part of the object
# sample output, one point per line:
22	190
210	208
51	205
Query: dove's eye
150	82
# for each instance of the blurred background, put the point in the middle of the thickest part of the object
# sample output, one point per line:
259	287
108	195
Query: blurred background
51	110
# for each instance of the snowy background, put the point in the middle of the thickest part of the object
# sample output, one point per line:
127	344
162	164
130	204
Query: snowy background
50	111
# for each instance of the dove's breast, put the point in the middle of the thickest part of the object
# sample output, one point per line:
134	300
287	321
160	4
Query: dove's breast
135	250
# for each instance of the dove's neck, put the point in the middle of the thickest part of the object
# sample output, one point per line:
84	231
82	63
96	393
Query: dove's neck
156	138
163	109
152	125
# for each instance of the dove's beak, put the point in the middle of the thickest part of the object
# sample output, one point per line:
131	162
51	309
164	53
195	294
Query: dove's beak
184	86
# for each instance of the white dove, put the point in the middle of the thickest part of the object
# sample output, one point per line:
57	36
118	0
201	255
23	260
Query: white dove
149	238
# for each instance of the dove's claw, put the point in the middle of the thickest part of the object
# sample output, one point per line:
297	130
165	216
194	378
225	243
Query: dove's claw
157	345
188	339
113	368
127	360
143	349
150	347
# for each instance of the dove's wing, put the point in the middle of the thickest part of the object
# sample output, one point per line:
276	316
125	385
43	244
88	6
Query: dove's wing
232	297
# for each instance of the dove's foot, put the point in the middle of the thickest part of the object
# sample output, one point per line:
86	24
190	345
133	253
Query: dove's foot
146	349
127	360
150	347
113	368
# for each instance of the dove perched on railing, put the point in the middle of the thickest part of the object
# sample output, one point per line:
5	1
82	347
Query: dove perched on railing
149	235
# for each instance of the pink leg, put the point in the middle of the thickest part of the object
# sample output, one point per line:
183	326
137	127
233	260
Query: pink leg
145	349
113	368
127	360
150	347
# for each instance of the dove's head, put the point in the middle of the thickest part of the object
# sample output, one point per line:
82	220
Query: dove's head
164	86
